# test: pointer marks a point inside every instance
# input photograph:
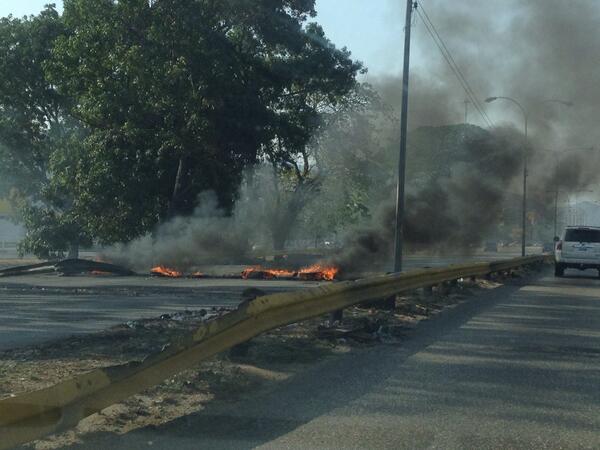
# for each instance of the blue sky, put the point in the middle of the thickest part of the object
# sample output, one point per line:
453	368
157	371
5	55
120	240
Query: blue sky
23	7
364	26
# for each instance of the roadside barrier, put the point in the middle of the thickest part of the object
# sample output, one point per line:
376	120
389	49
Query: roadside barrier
33	415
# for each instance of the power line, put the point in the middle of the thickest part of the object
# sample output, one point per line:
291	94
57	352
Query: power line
456	65
452	64
454	70
439	42
437	39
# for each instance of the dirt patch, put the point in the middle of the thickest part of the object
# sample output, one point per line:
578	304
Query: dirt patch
265	360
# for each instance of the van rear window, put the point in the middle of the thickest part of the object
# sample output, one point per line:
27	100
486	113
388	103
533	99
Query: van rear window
582	236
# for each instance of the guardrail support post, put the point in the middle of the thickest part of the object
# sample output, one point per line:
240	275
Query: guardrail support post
442	289
336	316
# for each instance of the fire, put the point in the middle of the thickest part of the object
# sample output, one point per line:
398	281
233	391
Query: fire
197	275
319	272
166	272
268	274
100	273
315	272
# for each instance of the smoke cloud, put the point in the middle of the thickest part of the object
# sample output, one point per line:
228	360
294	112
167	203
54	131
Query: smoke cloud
535	51
210	235
207	237
444	212
532	51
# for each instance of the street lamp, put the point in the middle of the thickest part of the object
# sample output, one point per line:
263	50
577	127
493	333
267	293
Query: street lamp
524	212
525	154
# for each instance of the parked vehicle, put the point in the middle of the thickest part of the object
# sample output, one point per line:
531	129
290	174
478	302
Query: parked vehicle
579	248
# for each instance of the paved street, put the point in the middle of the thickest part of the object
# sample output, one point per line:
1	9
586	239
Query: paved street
520	368
37	308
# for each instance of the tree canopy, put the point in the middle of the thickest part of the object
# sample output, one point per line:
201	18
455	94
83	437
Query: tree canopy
180	97
116	115
39	140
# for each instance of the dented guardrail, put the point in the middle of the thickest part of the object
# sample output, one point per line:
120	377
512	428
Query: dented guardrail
33	415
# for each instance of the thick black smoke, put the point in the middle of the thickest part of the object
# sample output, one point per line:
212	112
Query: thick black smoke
537	52
451	209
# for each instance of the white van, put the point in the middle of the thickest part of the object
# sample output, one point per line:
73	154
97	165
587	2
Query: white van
579	248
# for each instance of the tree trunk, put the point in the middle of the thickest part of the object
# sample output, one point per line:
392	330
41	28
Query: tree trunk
73	251
280	236
287	216
174	202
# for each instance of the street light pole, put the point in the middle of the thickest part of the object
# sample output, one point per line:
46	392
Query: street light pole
525	158
555	213
399	232
524	213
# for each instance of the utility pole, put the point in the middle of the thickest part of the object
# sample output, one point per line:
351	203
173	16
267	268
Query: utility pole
525	174
466	102
555	214
403	130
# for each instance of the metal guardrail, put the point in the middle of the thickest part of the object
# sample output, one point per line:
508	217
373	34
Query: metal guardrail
33	415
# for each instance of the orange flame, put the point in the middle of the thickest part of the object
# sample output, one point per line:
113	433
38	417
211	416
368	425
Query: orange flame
315	272
267	273
166	272
99	272
319	272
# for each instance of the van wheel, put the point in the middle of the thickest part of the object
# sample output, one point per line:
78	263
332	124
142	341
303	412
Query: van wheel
559	270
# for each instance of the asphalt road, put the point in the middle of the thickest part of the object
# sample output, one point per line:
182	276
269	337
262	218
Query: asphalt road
38	308
517	369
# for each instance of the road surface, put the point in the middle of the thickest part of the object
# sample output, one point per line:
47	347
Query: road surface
38	308
518	369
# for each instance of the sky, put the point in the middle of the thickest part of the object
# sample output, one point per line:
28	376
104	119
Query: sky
24	7
378	33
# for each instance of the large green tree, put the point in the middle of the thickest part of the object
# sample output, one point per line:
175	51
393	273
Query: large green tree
39	140
181	96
